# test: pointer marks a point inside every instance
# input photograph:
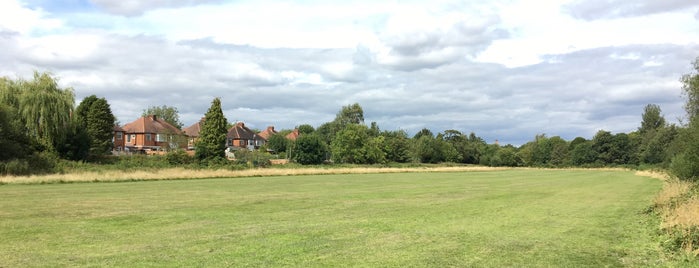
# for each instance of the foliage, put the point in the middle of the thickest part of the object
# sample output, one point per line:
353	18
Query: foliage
306	129
396	146
309	150
278	143
43	108
690	88
13	142
168	113
350	114
98	121
178	157
212	137
354	145
651	119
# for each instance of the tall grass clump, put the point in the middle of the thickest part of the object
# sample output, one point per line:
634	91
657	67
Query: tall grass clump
678	205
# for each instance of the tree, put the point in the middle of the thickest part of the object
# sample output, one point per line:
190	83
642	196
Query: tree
212	137
396	146
685	165
94	117
306	129
168	113
13	141
348	145
45	109
309	150
350	114
652	119
278	143
690	88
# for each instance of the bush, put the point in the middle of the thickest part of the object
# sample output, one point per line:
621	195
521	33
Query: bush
178	157
685	167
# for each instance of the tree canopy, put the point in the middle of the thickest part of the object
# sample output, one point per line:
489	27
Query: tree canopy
212	137
168	113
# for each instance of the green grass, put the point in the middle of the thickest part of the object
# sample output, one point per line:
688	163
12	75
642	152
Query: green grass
531	218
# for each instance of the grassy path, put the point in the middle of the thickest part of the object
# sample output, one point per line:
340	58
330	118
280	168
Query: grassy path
465	219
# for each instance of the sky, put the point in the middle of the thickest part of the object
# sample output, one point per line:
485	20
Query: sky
504	69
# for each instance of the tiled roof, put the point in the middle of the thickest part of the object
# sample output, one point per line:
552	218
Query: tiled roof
151	124
240	132
293	135
193	130
265	134
117	129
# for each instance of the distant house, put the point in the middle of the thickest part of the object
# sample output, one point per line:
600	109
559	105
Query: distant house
293	135
192	133
265	134
152	133
118	139
239	136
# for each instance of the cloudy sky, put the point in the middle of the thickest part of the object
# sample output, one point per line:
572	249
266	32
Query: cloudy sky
504	69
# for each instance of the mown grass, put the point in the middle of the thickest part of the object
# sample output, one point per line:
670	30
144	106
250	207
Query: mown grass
533	218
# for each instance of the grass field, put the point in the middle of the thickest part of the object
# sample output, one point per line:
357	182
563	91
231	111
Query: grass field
559	218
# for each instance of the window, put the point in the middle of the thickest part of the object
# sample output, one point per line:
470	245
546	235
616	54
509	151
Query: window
148	137
119	135
129	137
160	138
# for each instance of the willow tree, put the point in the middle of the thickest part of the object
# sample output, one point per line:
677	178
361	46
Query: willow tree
45	109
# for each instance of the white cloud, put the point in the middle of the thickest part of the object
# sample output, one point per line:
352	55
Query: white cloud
507	70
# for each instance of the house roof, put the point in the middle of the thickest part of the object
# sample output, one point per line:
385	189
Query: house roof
150	124
265	134
240	132
117	129
193	130
293	135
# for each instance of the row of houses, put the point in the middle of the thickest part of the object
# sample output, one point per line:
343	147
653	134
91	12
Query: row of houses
150	133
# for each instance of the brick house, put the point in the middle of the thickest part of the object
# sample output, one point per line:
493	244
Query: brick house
239	136
293	135
118	139
265	134
192	133
152	133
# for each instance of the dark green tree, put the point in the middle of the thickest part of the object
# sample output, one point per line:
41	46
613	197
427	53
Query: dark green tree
100	127
168	113
397	146
309	150
14	143
278	143
212	137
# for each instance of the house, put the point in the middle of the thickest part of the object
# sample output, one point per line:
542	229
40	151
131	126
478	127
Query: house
152	133
293	135
118	139
240	136
192	133
265	134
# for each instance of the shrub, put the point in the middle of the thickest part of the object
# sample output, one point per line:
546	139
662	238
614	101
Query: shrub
178	157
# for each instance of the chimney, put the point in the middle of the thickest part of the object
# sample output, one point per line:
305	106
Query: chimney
270	128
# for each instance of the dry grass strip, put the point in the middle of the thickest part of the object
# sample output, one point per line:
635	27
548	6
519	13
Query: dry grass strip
181	173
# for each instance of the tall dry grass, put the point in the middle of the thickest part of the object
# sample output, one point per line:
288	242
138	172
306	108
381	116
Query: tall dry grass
678	206
181	173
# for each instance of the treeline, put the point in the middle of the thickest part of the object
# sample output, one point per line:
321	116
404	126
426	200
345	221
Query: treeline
39	126
347	139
